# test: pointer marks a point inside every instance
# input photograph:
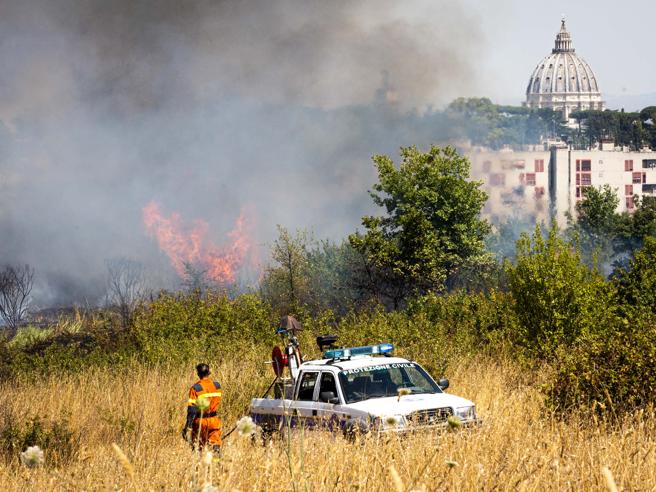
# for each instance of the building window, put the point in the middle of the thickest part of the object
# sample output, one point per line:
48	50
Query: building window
629	202
578	192
530	179
637	178
586	165
578	165
628	165
628	190
498	179
539	191
539	165
586	179
649	163
487	165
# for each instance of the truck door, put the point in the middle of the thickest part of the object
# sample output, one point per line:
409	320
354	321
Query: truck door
331	414
304	406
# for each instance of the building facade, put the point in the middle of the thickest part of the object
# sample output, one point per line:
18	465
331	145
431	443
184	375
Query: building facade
548	183
563	81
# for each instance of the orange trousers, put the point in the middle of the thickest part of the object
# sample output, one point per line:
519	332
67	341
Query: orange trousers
207	431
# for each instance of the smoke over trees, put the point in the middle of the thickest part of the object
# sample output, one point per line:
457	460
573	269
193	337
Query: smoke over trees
204	107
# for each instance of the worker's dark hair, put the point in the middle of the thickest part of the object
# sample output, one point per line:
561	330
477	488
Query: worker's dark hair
203	370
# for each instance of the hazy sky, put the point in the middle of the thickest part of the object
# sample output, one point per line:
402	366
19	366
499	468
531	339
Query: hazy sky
616	38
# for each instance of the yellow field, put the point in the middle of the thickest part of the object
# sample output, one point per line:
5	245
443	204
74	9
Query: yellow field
519	447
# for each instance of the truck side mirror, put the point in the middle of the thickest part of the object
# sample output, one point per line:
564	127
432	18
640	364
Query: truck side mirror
328	397
443	383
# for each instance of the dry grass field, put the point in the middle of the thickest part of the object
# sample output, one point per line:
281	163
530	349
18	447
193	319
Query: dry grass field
519	447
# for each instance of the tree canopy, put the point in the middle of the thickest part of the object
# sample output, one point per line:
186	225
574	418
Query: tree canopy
431	226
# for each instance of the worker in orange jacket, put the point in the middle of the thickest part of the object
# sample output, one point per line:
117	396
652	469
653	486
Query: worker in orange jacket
202	407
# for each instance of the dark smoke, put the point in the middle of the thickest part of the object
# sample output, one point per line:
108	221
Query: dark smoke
205	107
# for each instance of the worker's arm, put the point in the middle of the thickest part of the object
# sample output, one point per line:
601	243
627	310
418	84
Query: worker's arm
192	411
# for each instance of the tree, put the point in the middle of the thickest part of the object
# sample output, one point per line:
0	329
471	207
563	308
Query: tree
557	297
286	282
335	277
16	284
596	212
596	223
634	227
636	285
432	225
126	287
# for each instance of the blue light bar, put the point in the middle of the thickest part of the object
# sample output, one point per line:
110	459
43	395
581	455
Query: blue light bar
345	353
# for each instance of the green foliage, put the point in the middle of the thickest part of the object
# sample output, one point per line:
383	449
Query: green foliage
29	335
626	129
596	212
557	297
311	275
611	366
286	283
596	224
634	227
611	371
175	328
636	285
56	439
432	225
335	274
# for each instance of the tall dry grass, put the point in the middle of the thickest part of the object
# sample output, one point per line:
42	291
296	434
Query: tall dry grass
519	447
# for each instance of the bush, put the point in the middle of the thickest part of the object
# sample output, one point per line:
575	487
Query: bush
558	299
57	440
611	373
178	327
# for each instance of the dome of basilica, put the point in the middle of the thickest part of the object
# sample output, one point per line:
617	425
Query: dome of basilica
563	81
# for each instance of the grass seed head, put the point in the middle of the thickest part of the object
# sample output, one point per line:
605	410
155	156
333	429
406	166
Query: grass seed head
202	403
32	457
246	426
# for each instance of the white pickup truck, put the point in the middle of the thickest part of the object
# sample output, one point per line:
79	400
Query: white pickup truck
362	389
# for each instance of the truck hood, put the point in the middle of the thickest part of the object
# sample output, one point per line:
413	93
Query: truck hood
380	407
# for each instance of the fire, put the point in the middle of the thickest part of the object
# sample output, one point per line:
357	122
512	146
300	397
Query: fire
186	245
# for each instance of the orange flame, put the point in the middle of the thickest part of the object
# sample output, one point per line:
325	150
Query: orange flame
190	246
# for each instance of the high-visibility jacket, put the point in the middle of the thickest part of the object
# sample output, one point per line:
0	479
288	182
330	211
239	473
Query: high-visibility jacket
209	389
206	426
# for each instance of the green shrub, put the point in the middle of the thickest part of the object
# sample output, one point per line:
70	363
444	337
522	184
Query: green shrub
56	439
177	327
612	373
612	369
557	297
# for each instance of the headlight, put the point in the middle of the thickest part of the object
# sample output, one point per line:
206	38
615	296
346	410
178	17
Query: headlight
466	413
389	422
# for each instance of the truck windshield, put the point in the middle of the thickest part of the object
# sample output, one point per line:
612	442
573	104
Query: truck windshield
385	380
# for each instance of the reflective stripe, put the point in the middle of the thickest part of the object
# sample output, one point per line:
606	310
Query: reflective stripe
211	395
191	401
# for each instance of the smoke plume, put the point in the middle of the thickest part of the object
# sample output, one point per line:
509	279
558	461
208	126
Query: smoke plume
206	107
